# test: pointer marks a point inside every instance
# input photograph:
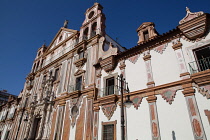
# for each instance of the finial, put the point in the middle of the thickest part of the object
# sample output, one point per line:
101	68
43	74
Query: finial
65	25
188	10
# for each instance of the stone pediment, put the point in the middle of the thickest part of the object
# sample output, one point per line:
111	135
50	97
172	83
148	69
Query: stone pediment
194	25
62	34
144	25
190	15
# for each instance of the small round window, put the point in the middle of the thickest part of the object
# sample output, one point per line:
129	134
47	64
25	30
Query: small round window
91	15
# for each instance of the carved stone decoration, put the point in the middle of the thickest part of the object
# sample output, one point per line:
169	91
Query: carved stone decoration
108	110
122	65
207	113
134	59
79	72
194	25
168	94
136	101
204	90
108	64
160	48
80	62
74	109
197	127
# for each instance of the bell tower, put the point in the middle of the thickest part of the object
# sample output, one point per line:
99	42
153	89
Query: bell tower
94	23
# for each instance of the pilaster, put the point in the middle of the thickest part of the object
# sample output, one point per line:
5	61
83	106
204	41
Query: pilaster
177	46
154	117
195	119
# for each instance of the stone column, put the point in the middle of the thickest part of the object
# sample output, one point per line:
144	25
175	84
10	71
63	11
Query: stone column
177	46
195	119
154	117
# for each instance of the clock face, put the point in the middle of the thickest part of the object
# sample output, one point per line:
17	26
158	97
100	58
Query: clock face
91	14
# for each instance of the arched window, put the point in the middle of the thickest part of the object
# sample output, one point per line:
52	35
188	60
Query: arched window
37	67
85	34
94	27
34	67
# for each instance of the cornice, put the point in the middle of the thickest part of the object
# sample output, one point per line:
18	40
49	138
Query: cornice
150	44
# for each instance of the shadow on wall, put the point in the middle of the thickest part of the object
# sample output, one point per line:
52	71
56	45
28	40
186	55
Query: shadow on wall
173	135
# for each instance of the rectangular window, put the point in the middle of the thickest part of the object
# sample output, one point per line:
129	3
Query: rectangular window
56	74
146	35
110	86
109	130
202	56
78	85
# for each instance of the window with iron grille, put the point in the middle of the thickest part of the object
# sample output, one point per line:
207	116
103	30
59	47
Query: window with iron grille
202	56
108	132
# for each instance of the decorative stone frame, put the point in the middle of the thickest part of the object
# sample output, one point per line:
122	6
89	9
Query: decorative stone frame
190	49
80	61
108	123
110	76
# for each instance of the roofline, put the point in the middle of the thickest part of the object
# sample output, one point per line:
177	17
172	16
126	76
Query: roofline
165	37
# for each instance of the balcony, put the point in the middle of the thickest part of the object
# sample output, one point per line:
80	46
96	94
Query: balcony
199	65
75	90
109	90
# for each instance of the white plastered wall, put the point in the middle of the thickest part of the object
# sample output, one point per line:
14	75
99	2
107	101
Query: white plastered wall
103	118
138	122
175	118
164	70
136	74
203	104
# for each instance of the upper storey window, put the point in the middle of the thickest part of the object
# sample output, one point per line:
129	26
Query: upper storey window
93	32
85	34
202	59
110	86
78	83
146	35
56	74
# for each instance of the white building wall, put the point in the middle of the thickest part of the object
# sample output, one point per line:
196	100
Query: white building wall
175	118
136	74
138	122
164	70
203	104
103	118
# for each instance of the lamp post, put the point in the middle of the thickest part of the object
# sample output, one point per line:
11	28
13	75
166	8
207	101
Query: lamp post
127	103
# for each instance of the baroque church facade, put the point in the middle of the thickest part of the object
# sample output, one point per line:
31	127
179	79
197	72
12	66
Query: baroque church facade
72	91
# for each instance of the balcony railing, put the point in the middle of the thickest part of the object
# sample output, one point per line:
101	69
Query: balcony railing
76	87
199	65
109	90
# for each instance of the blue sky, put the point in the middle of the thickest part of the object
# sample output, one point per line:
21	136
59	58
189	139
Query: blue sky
26	24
